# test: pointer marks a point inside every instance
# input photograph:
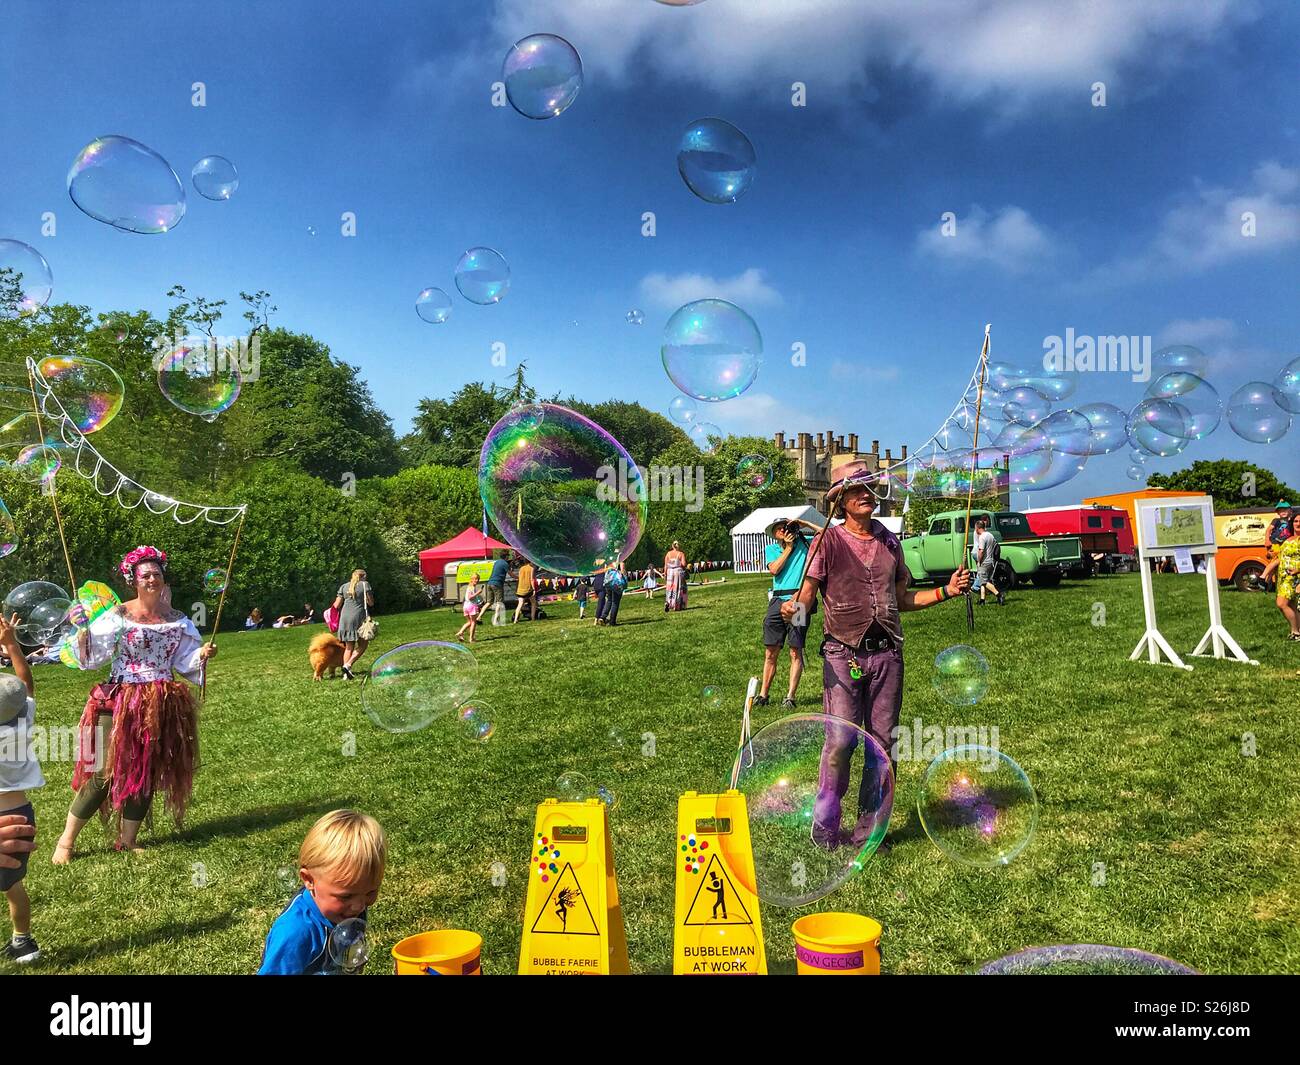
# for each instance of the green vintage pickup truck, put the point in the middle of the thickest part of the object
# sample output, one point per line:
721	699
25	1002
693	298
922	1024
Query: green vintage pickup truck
933	555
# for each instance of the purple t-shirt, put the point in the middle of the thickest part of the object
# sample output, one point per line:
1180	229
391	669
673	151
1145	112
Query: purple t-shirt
858	579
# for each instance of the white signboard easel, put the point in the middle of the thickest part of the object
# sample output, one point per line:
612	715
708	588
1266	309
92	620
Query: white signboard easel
1166	527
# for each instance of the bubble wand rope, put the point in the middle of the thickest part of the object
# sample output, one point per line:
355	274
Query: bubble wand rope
974	465
221	602
744	730
54	498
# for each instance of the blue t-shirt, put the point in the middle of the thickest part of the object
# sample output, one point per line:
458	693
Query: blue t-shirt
298	943
789	579
497	578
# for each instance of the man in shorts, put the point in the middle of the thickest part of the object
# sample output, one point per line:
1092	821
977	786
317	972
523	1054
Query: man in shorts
496	590
785	562
526	589
987	552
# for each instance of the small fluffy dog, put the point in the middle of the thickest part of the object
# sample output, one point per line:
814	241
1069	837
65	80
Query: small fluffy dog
325	652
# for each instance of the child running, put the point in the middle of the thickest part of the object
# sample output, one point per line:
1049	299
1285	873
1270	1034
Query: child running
472	608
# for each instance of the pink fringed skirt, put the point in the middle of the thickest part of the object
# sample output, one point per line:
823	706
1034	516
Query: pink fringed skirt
153	746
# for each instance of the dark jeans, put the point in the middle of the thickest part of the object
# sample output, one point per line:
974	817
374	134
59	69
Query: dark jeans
600	602
609	607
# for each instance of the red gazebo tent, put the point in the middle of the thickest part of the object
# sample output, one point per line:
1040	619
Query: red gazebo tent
472	543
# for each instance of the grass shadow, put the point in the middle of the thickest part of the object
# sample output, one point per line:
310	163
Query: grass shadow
259	820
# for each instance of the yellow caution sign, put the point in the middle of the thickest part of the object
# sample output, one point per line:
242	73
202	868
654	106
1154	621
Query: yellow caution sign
718	928
573	923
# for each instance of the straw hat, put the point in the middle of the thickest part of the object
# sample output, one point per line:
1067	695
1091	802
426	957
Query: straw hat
850	474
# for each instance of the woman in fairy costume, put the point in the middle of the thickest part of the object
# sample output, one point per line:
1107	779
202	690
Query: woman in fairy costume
140	726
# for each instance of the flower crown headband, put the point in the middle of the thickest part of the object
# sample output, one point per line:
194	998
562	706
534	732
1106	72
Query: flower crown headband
143	553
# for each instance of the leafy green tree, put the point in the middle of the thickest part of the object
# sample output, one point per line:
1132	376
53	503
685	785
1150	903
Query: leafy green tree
936	491
433	502
1228	480
643	433
450	432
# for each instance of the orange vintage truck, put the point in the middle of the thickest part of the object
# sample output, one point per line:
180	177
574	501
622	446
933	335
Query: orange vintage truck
1239	535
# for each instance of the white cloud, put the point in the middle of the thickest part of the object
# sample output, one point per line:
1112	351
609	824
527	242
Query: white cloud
965	48
759	414
1196	331
1010	239
748	290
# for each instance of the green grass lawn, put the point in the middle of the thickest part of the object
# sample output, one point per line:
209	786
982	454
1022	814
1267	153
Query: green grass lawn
1136	766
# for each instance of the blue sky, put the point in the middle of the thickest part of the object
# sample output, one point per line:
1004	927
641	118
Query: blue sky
1114	220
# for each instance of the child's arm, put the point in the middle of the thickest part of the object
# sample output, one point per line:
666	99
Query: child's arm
286	953
12	648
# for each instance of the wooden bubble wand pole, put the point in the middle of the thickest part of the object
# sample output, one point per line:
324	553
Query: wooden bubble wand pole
221	602
974	466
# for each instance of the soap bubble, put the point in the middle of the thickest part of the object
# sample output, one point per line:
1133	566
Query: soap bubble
617	738
214	581
26	281
715	160
8	532
1024	406
349	949
476	721
543	75
38	464
607	796
215	178
127	185
200	380
525	418
1159	427
1068	432
1003	377
705	436
1083	959
635	317
811	825
1136	473
48	623
549	490
683	410
1054	385
24	600
1179	358
1195	396
415	683
977	806
1109	427
482	276
1287	386
1257	412
711	697
755	472
571	786
711	349
433	305
90	391
961	675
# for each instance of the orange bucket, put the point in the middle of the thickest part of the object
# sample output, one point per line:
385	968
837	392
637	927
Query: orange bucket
447	952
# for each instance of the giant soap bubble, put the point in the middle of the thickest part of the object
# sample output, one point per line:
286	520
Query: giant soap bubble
1159	427
1287	386
715	160
1068	432
1084	959
90	391
1179	358
1024	406
29	601
1257	412
816	813
712	350
126	184
26	281
1108	425
562	491
977	806
1195	396
415	683
542	75
482	276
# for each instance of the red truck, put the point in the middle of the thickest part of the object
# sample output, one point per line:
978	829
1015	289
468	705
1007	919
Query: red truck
1105	532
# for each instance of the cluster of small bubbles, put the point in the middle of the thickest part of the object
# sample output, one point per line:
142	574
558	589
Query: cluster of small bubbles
635	317
40	607
433	305
215	177
1257	412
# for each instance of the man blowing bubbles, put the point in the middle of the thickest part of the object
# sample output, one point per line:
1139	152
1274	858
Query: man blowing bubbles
859	572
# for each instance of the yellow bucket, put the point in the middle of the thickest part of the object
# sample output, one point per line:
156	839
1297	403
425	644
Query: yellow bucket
447	952
837	944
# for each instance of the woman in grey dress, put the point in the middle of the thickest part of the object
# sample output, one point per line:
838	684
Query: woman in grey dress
353	603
